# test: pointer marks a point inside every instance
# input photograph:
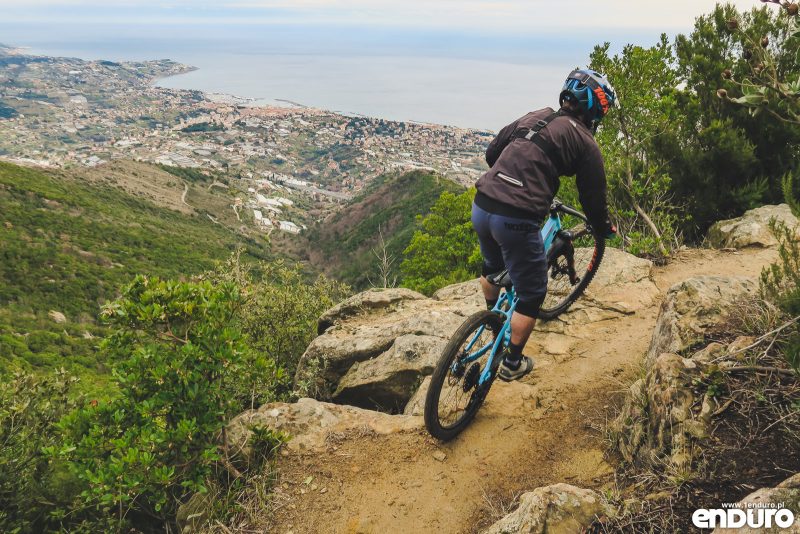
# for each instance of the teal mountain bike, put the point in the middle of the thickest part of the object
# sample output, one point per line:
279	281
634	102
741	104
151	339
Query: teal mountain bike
468	366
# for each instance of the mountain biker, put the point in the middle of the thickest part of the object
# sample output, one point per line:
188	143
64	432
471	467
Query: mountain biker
527	158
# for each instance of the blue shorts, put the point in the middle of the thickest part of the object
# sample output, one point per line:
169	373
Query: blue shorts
516	245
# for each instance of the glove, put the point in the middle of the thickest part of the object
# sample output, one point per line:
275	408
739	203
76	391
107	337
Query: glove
606	230
611	230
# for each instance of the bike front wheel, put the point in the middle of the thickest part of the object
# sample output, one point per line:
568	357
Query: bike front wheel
454	395
568	277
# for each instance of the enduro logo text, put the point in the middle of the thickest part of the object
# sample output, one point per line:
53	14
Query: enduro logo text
753	515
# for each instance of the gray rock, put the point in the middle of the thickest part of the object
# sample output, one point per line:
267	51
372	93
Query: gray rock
57	317
331	356
465	298
556	509
623	283
390	380
416	405
309	423
693	307
751	229
366	302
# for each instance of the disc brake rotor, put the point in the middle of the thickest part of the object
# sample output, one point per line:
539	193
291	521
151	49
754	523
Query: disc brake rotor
471	377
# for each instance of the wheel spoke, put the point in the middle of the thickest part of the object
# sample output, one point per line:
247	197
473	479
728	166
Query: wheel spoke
560	288
453	398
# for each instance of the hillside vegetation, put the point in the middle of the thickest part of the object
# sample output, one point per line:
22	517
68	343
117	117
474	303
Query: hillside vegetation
345	245
68	244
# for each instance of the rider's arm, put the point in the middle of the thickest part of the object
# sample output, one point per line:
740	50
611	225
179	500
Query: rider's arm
499	143
591	181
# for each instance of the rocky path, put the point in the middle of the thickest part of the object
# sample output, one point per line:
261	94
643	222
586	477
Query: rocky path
530	434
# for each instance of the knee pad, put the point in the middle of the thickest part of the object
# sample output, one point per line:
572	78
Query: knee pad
530	308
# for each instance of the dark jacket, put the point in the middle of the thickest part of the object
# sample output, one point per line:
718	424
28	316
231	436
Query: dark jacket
523	179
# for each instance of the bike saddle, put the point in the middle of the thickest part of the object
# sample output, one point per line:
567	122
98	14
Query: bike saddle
501	279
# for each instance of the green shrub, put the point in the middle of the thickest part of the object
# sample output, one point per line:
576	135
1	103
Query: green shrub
158	440
445	249
279	314
32	488
780	284
640	199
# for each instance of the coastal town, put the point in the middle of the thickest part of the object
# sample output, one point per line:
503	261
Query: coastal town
63	112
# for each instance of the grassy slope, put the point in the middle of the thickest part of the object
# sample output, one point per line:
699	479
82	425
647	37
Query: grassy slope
67	245
342	246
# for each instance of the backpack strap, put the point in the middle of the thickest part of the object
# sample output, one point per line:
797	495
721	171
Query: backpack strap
532	135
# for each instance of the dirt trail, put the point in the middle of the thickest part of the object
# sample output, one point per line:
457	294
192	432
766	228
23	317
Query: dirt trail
529	434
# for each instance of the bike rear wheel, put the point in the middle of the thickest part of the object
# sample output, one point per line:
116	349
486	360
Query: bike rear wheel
562	289
454	396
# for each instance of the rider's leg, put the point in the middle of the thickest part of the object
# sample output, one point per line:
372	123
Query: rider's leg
522	323
523	254
490	292
491	252
521	328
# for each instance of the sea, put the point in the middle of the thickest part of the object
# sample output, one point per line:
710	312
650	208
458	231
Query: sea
469	80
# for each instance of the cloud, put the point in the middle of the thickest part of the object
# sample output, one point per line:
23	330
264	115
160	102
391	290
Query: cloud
518	16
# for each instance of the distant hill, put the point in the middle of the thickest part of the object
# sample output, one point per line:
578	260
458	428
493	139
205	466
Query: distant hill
70	239
342	245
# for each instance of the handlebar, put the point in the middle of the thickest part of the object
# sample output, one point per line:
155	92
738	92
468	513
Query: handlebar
572	211
557	205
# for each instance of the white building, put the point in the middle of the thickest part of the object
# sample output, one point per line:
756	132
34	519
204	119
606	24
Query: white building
288	226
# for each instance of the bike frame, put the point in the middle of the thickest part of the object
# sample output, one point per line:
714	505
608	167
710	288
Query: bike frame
505	306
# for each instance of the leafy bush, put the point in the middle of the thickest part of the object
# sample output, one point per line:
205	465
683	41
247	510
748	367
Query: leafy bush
278	315
780	284
771	85
722	159
640	200
445	249
31	486
158	440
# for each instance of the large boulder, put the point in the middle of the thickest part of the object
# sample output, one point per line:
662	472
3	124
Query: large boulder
694	307
375	348
374	299
377	356
787	493
556	509
387	381
308	423
623	284
751	229
667	415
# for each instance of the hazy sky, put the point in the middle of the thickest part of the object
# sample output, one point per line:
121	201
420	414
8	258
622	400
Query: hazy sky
519	16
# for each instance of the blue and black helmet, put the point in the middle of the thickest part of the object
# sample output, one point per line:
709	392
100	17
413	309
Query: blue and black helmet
592	91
